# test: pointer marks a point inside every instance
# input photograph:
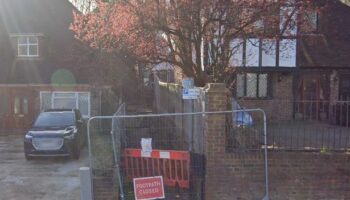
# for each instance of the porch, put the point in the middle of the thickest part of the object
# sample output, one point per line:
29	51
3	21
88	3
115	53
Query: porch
21	103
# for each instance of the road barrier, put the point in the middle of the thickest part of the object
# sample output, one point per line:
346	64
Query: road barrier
174	166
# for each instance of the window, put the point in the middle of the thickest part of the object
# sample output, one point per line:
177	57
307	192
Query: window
21	106
311	18
252	85
287	53
263	53
25	106
236	59
51	119
252	52
288	21
28	46
83	104
310	22
268	55
17	106
68	100
4	104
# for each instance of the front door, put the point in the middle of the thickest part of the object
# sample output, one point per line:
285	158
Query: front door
313	96
21	114
16	109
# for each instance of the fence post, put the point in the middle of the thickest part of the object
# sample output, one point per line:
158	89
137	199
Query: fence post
214	136
85	183
216	99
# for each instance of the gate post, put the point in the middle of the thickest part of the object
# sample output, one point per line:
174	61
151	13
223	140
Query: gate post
85	183
216	99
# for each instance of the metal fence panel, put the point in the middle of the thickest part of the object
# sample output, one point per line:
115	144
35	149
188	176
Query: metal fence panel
172	155
104	151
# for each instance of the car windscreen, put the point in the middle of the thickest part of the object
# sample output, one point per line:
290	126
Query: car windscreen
55	119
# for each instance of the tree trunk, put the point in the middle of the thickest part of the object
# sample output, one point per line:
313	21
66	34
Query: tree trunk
201	79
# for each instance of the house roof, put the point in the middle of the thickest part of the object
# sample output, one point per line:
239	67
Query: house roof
29	16
6	55
48	19
347	2
331	47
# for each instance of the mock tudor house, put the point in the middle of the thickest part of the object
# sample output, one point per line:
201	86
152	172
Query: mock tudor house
305	73
37	68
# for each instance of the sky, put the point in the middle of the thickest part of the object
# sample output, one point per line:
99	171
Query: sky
346	2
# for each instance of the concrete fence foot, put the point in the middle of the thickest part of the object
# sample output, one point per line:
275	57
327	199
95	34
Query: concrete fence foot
85	183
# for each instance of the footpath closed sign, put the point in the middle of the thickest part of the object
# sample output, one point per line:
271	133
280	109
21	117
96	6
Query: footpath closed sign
148	188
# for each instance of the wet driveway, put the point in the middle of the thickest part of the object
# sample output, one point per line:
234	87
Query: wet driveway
40	178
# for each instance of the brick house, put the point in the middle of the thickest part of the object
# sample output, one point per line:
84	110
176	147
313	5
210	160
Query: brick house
304	73
39	64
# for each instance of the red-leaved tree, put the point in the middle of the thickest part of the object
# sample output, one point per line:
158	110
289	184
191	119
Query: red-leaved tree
194	35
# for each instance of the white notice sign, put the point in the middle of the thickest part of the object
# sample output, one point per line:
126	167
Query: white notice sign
146	146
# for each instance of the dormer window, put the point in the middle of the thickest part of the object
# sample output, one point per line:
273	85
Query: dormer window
28	46
310	22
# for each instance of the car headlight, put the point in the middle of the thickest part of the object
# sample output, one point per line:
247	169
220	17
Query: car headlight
70	132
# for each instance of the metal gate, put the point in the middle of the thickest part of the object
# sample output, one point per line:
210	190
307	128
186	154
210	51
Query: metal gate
170	146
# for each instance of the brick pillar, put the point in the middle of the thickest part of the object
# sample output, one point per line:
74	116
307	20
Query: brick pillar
216	98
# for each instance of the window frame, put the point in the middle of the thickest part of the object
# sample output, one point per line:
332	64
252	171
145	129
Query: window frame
5	104
306	26
292	14
26	45
277	54
76	97
245	86
21	105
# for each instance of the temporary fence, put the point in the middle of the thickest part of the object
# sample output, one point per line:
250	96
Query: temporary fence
102	151
160	145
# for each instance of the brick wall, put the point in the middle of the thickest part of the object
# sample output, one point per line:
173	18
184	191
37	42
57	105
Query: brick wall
293	175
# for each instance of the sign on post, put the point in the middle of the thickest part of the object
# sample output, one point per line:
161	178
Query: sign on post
149	188
190	93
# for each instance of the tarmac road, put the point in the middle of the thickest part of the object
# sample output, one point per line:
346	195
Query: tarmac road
37	179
